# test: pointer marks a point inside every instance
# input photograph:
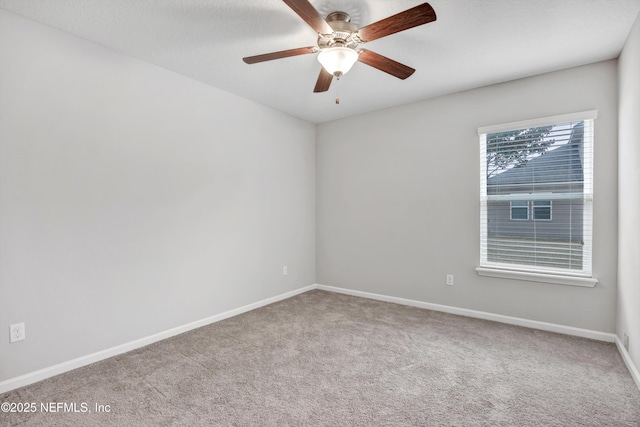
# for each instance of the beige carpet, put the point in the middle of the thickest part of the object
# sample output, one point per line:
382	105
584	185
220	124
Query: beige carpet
328	359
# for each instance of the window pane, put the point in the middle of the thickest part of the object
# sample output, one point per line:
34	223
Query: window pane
542	214
518	212
542	210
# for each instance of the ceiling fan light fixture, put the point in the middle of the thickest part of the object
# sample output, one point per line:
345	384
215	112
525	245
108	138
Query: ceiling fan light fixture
338	60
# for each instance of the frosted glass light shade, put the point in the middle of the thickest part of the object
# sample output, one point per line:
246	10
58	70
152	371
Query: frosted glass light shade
338	60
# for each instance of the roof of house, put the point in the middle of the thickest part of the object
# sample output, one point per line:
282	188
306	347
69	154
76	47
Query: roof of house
562	164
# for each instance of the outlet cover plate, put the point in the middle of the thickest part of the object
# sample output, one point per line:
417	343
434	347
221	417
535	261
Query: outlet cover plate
16	332
449	281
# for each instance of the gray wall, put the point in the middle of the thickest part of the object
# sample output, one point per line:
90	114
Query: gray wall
134	200
629	193
398	199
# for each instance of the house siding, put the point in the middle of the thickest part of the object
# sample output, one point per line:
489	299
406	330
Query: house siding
566	222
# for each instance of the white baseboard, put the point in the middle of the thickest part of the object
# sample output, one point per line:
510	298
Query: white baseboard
627	361
60	368
533	324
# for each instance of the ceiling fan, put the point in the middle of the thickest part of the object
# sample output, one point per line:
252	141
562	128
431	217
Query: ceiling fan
339	41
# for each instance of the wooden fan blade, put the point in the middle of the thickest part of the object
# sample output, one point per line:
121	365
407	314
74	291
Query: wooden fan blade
385	64
324	81
310	15
419	15
280	54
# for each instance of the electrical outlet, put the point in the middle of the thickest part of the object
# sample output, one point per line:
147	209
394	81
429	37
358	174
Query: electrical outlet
16	332
285	270
626	341
449	279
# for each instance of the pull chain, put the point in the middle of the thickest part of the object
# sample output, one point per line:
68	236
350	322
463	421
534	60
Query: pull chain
338	90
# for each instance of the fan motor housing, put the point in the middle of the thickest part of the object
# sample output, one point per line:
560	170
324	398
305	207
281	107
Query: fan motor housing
343	32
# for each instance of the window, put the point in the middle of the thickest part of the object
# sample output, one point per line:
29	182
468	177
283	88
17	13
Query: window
536	195
541	210
519	210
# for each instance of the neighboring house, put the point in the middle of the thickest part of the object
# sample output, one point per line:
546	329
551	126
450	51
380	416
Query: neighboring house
538	195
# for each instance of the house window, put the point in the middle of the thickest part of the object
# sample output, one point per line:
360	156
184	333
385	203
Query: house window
519	210
541	210
536	195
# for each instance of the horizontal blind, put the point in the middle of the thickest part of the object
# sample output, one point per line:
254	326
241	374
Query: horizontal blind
537	197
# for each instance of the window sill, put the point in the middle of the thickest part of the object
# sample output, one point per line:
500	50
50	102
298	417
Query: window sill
587	282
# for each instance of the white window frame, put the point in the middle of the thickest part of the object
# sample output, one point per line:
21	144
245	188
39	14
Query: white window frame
520	272
533	210
511	207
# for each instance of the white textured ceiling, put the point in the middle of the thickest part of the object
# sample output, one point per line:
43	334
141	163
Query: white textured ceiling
473	43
